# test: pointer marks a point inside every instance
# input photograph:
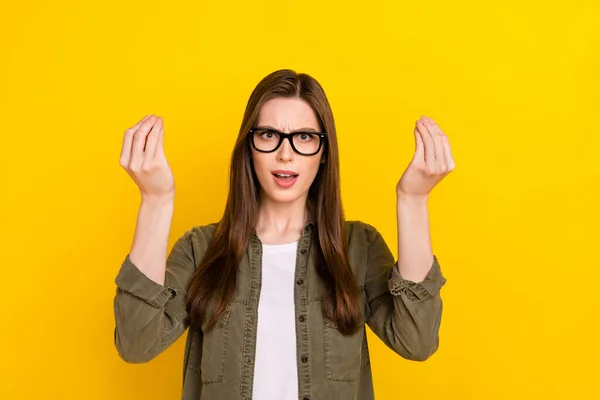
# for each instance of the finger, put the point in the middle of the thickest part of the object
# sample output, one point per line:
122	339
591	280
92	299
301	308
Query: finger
446	141
448	153
127	142
437	143
419	149
151	141
159	152
427	143
140	122
139	142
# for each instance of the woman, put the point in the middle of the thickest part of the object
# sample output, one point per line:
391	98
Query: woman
278	292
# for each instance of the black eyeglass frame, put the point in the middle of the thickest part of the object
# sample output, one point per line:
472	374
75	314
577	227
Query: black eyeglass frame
289	136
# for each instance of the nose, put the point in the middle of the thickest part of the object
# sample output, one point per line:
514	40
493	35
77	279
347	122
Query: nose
285	151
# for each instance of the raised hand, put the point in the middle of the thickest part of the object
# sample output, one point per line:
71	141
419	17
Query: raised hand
431	163
143	158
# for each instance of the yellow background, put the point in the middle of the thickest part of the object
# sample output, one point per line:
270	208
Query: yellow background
514	84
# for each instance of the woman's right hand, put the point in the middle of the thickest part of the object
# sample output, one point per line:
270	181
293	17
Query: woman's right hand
143	158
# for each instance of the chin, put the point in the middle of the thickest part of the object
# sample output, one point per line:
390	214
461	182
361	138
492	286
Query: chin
286	197
275	193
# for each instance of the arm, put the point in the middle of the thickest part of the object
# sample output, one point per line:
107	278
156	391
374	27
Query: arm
404	314
407	317
149	304
149	248
415	255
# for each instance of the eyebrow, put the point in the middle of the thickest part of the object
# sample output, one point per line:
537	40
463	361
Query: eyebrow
297	130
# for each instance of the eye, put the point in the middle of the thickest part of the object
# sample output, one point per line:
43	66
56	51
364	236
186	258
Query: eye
263	134
305	137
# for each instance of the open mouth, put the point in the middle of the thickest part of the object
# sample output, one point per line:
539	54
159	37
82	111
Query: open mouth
285	180
285	176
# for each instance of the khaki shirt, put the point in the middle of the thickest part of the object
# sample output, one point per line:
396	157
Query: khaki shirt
220	364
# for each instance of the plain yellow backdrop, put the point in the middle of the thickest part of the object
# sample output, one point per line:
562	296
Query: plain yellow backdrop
514	85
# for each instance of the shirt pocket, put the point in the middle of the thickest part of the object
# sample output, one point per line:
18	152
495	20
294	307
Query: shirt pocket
343	353
214	349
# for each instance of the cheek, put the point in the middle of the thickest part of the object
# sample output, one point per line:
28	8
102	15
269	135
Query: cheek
257	163
261	167
311	170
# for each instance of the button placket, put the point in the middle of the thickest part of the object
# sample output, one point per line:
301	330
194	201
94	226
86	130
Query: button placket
301	307
249	345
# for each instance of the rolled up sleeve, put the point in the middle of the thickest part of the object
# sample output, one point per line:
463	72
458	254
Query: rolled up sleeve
405	315
134	282
417	291
149	316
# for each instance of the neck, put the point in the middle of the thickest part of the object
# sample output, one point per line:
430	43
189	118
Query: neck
277	218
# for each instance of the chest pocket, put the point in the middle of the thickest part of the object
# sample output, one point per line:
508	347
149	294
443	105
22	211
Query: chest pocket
343	353
214	349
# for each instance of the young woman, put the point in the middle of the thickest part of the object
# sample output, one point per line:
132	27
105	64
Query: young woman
276	294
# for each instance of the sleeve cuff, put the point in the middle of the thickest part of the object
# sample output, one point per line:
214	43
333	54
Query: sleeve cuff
422	291
134	281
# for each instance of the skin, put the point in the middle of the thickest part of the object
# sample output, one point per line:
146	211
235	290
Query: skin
282	211
432	162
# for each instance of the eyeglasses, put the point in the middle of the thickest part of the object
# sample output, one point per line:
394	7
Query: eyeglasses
304	143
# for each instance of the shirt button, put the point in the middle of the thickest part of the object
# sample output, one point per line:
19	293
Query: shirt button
302	318
300	281
304	359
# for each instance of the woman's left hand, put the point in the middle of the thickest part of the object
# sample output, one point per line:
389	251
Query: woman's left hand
431	163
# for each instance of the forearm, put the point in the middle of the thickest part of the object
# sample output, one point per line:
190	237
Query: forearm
415	255
150	244
407	315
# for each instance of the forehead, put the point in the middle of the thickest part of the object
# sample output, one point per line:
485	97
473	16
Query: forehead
288	113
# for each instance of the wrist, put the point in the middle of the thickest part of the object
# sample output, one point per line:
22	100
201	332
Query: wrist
165	200
411	200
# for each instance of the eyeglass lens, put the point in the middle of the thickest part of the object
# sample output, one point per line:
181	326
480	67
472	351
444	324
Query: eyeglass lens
305	142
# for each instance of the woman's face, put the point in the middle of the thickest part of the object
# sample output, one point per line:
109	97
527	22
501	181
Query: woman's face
286	115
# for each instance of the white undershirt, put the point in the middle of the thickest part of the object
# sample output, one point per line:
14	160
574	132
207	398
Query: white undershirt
276	371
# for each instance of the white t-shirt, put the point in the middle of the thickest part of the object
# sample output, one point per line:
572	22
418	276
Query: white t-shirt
276	371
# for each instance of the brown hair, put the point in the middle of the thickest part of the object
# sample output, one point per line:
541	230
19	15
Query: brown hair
216	275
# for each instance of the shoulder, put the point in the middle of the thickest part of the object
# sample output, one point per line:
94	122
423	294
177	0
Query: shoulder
202	231
196	239
360	232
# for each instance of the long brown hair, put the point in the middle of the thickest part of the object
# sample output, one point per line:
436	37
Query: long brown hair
215	277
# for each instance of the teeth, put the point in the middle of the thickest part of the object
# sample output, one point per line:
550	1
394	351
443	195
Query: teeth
283	175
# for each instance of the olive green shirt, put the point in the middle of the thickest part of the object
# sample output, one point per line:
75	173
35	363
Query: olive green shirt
219	364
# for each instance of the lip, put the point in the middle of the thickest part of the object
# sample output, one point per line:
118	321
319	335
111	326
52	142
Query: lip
283	171
285	183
